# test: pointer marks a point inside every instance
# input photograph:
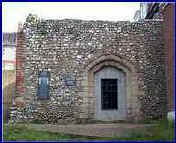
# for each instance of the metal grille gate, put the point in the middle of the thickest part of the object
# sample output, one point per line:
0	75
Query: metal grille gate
109	94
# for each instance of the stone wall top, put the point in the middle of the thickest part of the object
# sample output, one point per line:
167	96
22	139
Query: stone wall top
43	26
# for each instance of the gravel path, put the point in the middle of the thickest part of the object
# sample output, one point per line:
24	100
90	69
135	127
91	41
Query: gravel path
98	130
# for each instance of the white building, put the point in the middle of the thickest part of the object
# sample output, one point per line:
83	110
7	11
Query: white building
141	14
143	9
9	51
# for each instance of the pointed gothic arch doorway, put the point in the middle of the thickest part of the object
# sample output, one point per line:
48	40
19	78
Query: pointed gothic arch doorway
110	94
127	91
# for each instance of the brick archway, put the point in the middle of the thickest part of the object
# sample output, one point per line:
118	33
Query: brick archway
131	85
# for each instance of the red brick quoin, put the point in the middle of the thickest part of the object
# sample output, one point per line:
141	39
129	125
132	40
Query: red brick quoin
19	99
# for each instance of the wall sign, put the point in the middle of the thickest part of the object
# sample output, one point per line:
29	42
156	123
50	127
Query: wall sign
43	86
70	80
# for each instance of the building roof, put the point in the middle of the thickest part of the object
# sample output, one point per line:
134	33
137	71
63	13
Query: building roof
154	8
9	39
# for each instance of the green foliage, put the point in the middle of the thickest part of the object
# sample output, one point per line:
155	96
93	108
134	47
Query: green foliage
36	121
32	19
161	131
22	133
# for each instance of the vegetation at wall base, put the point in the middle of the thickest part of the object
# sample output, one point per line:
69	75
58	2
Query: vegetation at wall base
163	131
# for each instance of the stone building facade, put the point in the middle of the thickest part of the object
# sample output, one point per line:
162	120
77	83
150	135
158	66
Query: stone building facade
96	70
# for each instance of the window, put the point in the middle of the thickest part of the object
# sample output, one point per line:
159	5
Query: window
43	85
109	94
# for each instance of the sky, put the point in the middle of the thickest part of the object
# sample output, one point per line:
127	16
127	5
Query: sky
13	13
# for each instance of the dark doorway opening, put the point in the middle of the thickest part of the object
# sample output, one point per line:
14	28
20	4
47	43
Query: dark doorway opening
109	94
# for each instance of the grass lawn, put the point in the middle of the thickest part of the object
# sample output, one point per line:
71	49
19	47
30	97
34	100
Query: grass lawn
9	80
161	132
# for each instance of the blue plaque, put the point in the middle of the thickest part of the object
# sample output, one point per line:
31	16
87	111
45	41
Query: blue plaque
43	87
70	80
